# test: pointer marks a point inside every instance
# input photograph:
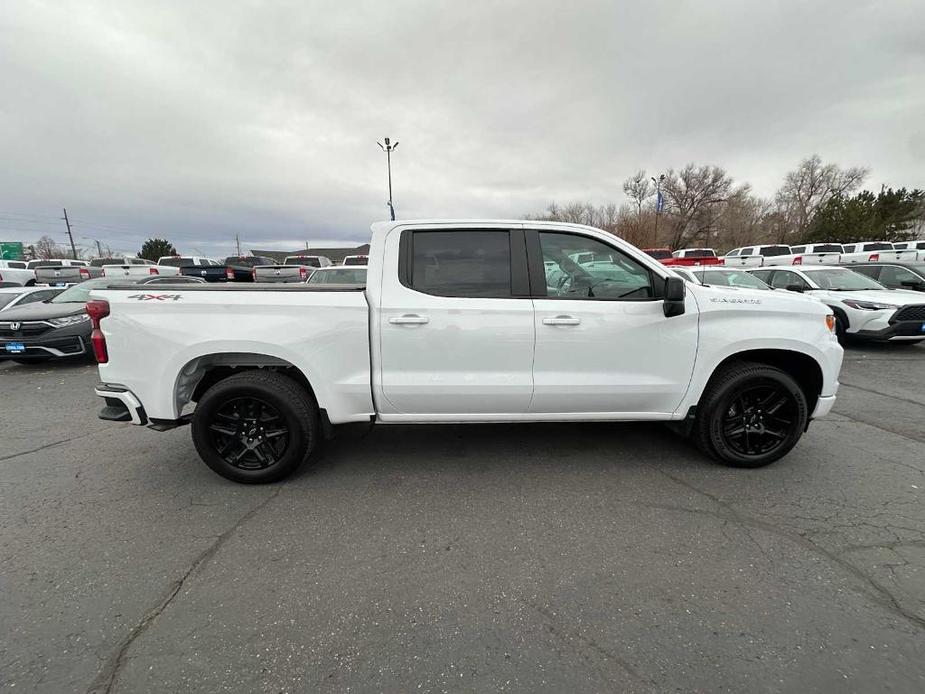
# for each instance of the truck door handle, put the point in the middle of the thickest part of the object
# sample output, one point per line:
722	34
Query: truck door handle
409	319
562	320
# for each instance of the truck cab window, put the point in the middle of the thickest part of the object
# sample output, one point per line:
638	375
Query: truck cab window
462	263
579	267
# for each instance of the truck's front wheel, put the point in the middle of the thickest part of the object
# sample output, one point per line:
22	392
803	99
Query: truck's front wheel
255	427
750	415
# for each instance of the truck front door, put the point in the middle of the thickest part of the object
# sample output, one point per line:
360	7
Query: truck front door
456	331
603	343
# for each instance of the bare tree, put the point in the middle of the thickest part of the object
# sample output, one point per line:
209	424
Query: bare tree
46	248
638	189
809	187
695	198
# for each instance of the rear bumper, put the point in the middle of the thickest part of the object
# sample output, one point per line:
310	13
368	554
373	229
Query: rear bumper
121	404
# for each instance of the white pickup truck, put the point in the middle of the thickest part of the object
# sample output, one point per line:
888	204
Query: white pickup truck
17	272
876	252
463	322
777	254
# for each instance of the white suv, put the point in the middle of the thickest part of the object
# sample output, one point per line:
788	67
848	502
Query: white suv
863	308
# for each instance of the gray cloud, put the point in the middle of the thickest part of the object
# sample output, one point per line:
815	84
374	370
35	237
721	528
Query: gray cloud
196	121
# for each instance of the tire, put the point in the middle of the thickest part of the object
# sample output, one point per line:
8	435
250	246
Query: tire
279	415
750	415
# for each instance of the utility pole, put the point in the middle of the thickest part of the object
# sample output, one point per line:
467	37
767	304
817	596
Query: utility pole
388	149
659	203
99	248
69	235
237	242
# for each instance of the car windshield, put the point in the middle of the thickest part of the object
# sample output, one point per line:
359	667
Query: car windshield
356	275
80	293
176	261
699	253
842	280
769	251
730	278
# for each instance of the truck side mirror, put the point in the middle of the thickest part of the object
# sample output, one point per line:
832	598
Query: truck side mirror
675	290
795	288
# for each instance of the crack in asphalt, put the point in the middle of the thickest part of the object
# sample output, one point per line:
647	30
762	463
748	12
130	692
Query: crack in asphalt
882	394
106	679
887	599
894	432
564	635
49	445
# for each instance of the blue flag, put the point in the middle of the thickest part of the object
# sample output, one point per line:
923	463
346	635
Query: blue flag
659	202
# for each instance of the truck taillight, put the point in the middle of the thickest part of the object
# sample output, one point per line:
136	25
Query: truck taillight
798	260
153	271
97	310
84	273
874	257
229	274
303	274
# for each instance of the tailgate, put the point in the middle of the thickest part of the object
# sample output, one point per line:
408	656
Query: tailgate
280	273
209	273
60	276
828	258
129	270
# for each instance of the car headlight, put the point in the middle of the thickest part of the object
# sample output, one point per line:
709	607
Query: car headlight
69	320
867	305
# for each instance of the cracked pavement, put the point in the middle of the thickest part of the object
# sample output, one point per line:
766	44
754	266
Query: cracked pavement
447	558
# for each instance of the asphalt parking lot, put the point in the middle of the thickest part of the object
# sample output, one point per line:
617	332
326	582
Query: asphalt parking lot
486	558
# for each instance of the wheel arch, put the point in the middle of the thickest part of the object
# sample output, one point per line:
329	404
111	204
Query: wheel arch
802	367
202	372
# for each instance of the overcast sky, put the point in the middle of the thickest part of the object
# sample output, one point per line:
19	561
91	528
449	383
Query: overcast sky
198	120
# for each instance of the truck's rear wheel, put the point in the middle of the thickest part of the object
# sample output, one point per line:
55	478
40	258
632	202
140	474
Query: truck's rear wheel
750	415
255	427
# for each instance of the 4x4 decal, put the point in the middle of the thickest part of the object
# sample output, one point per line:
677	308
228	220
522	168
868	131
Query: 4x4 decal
156	297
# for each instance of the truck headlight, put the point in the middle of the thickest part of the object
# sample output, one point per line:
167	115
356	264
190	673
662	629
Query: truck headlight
69	320
867	305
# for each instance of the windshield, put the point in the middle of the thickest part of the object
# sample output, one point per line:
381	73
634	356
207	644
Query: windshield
80	293
355	275
699	253
306	260
730	278
769	251
44	263
842	280
6	298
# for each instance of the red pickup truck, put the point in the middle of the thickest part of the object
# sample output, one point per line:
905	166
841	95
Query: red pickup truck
690	257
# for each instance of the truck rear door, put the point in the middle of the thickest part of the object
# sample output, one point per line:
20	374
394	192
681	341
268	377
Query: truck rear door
456	330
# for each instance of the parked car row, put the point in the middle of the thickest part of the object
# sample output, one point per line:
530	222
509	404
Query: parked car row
804	254
872	301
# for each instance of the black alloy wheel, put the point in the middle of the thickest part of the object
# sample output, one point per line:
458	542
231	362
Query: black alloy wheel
750	415
759	419
256	426
249	433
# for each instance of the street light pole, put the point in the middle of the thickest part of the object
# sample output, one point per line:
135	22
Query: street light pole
658	204
387	148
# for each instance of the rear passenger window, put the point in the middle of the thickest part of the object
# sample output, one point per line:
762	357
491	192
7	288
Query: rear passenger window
461	263
783	279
